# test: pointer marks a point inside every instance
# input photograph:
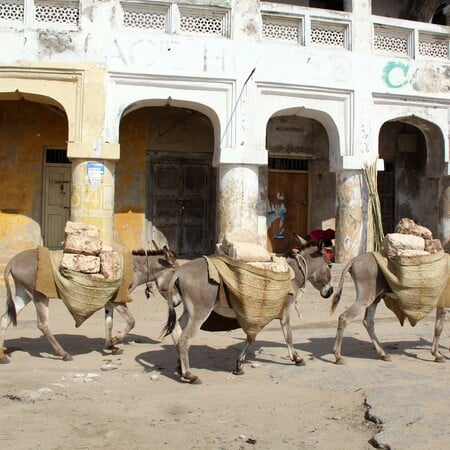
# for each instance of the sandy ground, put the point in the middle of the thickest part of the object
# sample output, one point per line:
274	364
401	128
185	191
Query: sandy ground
136	400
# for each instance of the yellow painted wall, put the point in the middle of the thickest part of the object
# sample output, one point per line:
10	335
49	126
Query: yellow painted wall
129	206
26	128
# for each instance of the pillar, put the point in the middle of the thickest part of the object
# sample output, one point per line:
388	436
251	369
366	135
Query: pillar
92	200
444	210
351	215
237	201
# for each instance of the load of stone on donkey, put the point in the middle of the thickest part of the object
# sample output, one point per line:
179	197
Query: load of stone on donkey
411	274
87	275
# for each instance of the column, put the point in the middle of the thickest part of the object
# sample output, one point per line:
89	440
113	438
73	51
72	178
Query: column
444	211
92	200
237	202
351	215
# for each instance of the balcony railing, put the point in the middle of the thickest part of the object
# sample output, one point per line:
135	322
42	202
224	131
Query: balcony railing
283	24
409	40
40	12
173	18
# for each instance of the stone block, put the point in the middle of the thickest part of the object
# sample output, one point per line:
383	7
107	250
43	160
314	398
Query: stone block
408	226
84	245
110	265
433	245
81	238
81	263
394	243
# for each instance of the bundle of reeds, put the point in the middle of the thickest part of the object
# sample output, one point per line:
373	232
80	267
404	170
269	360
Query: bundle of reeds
370	175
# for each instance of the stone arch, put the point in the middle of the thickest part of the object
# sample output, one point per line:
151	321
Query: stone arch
165	180
126	93
298	144
413	150
33	151
185	104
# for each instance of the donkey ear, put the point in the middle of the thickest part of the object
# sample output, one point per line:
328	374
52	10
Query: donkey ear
321	246
300	240
170	255
156	246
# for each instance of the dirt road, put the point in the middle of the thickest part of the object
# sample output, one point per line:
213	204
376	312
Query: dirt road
135	400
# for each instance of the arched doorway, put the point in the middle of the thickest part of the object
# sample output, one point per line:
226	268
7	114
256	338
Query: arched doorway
166	174
412	150
36	174
301	191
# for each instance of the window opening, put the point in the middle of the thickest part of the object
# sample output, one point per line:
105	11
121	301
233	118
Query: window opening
56	156
288	164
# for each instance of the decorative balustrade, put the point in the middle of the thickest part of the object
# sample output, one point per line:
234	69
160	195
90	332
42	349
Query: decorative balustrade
40	12
410	41
12	11
145	16
176	18
280	24
433	45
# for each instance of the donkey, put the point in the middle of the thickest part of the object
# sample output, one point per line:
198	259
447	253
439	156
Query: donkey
148	266
192	286
371	286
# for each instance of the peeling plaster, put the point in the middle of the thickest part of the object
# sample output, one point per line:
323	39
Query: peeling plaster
398	74
55	42
432	80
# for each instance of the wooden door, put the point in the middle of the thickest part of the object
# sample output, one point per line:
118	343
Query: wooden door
288	208
56	204
386	193
181	204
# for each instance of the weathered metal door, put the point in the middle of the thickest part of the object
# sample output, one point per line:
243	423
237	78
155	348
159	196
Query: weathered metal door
56	204
181	204
288	208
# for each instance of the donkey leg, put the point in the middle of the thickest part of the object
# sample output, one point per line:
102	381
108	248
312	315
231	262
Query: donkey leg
21	299
285	322
191	329
5	322
41	304
109	319
241	358
176	334
438	327
369	323
130	322
344	318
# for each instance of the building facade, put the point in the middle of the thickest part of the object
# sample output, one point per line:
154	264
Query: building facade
182	121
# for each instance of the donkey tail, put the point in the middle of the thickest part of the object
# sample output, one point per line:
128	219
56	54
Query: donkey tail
11	308
171	303
337	296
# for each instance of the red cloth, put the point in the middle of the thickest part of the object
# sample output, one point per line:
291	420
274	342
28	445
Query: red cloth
326	235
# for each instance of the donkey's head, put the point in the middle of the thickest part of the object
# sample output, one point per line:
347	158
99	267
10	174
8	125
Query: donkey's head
311	254
149	264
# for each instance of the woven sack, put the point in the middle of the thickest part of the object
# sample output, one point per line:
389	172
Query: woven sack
83	294
256	295
417	283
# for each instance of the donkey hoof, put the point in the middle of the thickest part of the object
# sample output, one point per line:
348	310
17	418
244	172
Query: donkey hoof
439	359
299	362
191	379
238	371
4	360
340	361
67	357
116	351
386	357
